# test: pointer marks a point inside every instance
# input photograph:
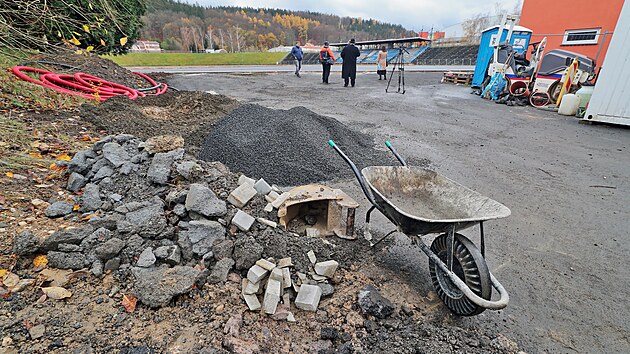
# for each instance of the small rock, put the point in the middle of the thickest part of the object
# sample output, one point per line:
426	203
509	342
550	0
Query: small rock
220	271
327	268
243	221
66	260
115	154
246	252
262	187
146	258
72	236
327	289
58	209
189	169
202	200
202	235
244	179
169	254
109	249
308	297
223	249
76	182
242	195
25	243
328	333
157	286
97	268
91	198
311	256
37	331
373	303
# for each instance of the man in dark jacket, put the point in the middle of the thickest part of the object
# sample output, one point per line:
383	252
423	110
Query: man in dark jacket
296	51
349	68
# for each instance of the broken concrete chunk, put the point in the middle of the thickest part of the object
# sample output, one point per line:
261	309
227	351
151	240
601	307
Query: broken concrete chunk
286	277
271	196
285	262
243	221
262	187
311	256
272	296
242	195
326	268
267	222
319	278
280	200
115	154
308	297
244	179
252	302
265	264
156	287
290	317
76	182
250	288
256	273
276	274
268	208
302	276
312	232
202	200
146	258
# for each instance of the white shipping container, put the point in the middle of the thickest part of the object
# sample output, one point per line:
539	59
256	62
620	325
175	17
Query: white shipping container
610	102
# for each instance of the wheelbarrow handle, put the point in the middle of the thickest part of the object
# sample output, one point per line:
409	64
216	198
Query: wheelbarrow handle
391	148
366	190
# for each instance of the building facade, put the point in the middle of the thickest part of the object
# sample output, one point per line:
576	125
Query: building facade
580	26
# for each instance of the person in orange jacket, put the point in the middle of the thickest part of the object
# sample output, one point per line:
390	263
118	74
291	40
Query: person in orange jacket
327	59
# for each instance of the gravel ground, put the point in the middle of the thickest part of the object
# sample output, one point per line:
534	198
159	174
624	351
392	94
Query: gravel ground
287	147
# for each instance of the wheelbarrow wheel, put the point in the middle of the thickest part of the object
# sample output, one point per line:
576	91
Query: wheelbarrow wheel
470	266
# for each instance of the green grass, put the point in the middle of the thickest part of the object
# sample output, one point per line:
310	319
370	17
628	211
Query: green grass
194	59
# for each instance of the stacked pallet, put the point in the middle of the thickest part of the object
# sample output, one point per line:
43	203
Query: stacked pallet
460	77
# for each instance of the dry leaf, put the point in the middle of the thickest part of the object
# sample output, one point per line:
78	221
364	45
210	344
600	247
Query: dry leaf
88	217
129	302
76	207
64	157
56	292
3	199
55	167
123	41
40	261
27	324
44	185
22	285
86	28
10	280
36	155
9	174
3	272
57	277
75	41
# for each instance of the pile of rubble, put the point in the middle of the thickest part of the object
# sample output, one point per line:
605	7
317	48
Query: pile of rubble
163	222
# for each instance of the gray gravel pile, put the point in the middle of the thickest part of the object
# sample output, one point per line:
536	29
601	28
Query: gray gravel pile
288	147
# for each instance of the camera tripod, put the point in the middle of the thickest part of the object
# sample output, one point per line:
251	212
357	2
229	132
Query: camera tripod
399	62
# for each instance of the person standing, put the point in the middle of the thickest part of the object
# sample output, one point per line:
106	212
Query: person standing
296	51
381	63
327	59
349	68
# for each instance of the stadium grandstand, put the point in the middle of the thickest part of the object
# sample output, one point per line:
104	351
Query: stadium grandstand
420	51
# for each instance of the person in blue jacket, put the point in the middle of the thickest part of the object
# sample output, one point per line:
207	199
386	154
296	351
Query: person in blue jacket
296	51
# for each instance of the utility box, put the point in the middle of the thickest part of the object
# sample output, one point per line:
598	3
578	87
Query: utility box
489	39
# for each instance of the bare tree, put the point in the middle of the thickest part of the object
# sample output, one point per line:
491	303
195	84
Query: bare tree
222	43
209	36
474	25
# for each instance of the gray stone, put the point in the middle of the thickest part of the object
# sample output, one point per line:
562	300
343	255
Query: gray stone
82	161
246	252
179	210
100	163
185	246
106	184
115	197
128	167
25	243
112	264
160	168
67	247
147	221
98	146
308	297
373	303
243	221
58	209
242	195
177	196
76	182
123	138
73	236
220	271
156	287
91	198
109	249
327	289
168	254
146	258
97	268
66	260
103	172
202	234
189	169
223	249
96	238
37	332
115	154
202	200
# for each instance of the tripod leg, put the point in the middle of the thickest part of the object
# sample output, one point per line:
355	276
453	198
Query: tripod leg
390	77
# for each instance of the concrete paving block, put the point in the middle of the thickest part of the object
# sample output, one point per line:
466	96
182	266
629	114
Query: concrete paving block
271	196
244	179
268	208
311	256
302	276
262	187
312	232
286	298
326	268
276	274
280	200
242	195
308	297
265	264
250	288
276	188
285	262
296	288
256	273
252	302
267	222
272	296
319	278
290	317
243	221
286	277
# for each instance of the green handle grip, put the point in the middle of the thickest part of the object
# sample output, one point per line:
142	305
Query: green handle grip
331	143
388	143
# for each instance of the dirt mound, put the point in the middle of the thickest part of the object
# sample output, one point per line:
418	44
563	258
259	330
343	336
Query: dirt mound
287	147
181	113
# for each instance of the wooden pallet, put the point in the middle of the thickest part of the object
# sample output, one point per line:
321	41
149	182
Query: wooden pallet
458	78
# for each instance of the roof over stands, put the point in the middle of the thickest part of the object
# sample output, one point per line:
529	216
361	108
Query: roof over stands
385	41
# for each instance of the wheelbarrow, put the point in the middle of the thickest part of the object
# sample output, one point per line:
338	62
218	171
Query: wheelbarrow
421	202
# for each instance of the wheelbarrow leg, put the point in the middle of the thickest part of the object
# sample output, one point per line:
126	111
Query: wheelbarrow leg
450	243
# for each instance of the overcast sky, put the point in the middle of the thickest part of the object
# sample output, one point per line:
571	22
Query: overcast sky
412	14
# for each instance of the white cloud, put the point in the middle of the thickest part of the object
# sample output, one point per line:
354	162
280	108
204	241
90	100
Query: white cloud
413	14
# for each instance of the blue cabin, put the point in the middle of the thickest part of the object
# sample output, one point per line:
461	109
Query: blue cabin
520	41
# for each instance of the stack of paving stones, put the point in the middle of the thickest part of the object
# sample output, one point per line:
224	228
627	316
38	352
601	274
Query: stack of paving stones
162	221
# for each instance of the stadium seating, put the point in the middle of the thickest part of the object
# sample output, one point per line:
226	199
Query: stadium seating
454	55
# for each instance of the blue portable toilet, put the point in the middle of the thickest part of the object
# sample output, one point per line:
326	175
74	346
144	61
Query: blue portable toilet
520	42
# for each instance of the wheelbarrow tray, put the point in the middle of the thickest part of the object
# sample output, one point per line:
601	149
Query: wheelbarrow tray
420	201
